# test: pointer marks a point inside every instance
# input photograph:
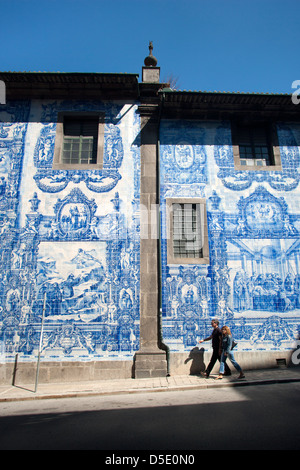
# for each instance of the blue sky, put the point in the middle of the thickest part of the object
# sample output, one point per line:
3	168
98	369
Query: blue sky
223	45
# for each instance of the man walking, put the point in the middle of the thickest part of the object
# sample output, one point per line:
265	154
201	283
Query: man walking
216	338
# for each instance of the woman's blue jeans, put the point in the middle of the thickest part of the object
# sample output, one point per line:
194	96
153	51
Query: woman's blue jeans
232	360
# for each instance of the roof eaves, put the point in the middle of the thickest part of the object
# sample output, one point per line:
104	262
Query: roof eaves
204	92
66	77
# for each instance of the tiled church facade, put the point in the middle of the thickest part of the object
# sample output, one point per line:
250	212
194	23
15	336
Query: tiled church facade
72	246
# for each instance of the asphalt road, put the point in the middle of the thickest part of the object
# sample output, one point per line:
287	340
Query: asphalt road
263	417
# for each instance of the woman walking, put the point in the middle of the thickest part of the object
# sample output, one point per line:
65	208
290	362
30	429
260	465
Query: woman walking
227	352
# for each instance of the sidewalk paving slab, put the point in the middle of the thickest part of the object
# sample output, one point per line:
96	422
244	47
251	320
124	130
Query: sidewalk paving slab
22	392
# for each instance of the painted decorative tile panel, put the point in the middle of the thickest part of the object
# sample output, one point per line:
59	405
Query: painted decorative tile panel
69	239
252	281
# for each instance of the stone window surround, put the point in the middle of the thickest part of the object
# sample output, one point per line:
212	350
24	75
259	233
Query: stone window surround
169	225
59	137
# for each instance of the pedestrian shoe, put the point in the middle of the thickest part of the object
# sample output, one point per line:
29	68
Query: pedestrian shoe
204	374
241	376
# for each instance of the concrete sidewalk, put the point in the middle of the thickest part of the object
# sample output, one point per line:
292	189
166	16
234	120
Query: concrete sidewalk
175	383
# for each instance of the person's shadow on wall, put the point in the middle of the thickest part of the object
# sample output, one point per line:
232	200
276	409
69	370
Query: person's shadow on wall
196	355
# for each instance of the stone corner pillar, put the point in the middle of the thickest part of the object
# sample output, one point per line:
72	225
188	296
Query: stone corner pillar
150	360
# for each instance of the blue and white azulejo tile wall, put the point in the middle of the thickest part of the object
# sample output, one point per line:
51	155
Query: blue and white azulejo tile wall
252	281
72	235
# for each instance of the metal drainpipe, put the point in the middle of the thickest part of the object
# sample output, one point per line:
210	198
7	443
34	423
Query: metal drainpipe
162	345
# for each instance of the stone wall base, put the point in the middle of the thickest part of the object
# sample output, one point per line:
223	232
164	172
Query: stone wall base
197	360
144	365
60	372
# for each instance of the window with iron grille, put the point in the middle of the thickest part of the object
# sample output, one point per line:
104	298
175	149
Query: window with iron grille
187	228
187	240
